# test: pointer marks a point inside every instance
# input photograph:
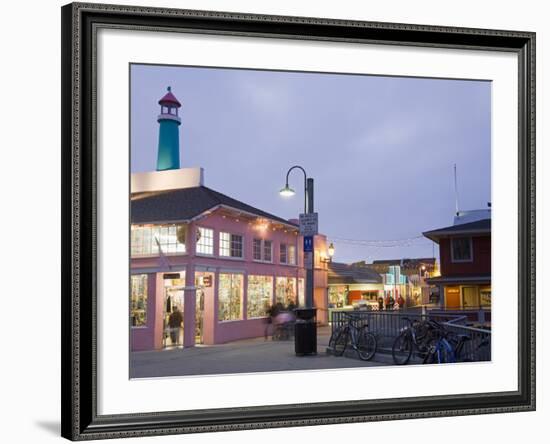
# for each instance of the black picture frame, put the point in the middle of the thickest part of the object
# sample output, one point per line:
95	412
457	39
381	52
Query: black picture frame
79	209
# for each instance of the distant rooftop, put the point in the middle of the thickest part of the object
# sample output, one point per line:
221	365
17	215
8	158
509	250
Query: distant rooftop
340	273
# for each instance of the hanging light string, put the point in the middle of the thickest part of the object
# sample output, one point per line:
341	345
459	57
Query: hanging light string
385	243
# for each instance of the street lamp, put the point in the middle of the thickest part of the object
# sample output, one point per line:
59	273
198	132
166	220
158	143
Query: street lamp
330	251
308	208
305	337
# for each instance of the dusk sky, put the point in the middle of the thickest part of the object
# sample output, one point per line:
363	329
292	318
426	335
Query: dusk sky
381	149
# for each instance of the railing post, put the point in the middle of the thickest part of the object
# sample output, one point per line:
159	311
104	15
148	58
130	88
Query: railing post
481	316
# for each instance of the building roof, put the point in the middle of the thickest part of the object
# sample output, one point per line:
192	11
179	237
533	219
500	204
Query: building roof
185	204
340	273
481	279
169	99
478	227
405	261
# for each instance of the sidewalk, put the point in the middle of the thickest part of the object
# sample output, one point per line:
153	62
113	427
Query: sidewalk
246	356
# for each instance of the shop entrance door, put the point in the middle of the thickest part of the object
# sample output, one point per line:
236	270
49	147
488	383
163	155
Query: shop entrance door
452	298
172	332
204	284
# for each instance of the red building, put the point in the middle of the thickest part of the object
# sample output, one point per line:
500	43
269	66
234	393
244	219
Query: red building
465	261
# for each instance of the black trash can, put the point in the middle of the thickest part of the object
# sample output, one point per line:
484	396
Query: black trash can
305	331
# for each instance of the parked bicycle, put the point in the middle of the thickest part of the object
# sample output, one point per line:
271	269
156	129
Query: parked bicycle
359	338
425	337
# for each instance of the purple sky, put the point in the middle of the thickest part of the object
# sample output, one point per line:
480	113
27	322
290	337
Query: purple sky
381	149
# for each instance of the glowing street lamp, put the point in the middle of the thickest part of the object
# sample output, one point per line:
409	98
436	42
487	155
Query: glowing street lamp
331	250
287	191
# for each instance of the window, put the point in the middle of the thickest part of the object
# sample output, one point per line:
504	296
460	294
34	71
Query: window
337	296
287	254
205	241
267	251
231	245
301	292
230	295
461	249
282	254
262	250
485	296
259	295
138	300
470	297
291	255
146	239
257	249
285	291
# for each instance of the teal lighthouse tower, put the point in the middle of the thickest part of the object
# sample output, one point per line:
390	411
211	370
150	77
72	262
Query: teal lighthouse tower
169	134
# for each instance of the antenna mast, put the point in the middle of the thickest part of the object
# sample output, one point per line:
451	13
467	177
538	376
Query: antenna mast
456	192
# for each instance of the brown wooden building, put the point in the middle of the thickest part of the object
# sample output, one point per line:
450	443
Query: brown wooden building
465	261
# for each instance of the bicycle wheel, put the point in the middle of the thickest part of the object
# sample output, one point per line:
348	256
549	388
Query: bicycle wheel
402	348
366	345
333	337
340	342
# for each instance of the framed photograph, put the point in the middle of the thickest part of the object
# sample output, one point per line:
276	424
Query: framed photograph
275	221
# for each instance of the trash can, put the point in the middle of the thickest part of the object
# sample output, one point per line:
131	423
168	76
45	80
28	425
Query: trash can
305	331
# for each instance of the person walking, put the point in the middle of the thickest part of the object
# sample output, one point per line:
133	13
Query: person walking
175	322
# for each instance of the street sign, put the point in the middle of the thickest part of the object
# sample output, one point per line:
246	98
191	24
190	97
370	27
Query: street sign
308	244
309	224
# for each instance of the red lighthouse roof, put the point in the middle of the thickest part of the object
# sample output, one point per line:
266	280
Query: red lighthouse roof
169	99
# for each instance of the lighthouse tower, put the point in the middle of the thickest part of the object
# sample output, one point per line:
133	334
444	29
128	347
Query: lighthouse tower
169	140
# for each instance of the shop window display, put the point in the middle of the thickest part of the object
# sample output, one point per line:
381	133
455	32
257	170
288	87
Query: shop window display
138	300
259	295
230	295
286	291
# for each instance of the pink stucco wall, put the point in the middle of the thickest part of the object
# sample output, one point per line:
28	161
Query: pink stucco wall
215	331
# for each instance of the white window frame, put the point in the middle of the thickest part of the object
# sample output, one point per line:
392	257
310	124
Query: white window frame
262	250
281	246
220	247
471	259
289	256
200	253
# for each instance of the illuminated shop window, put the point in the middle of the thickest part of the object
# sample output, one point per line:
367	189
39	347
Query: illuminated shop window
485	297
285	290
470	297
138	300
205	241
145	239
259	295
337	296
231	245
230	296
301	292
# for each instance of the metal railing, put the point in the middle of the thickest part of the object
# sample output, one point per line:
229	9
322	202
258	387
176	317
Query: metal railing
387	325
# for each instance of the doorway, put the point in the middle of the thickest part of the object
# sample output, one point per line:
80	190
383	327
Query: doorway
204	284
172	331
452	298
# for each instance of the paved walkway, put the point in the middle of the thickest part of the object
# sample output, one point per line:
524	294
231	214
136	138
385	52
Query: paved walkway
246	356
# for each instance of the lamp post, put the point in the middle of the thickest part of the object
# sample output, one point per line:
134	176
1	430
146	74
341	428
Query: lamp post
308	209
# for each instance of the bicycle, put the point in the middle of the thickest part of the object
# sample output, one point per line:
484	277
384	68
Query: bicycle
424	336
360	339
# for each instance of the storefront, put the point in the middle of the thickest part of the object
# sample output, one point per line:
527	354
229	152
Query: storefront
353	286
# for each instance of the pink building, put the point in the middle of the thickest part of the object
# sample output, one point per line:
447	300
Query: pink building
218	261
